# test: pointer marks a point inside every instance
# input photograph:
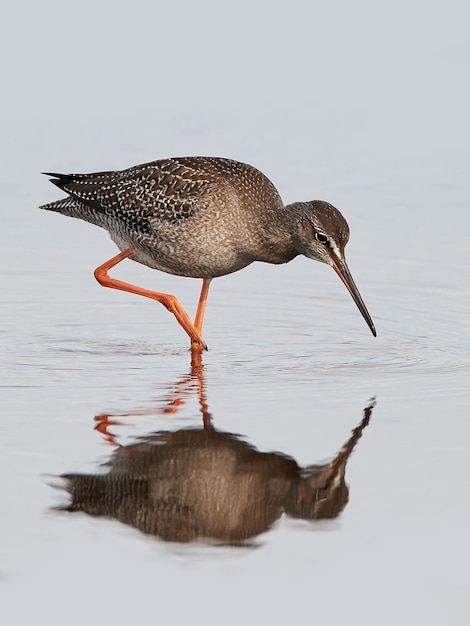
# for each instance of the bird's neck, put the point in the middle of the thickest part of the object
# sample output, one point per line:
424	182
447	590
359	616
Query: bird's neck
279	234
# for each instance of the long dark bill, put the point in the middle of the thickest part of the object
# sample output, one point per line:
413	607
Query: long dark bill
343	272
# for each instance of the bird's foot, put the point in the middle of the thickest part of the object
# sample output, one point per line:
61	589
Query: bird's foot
198	345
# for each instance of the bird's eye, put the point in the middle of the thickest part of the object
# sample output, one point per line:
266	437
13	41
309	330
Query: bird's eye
321	237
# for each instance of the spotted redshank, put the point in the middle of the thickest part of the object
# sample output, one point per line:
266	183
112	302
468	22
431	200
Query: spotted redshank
202	217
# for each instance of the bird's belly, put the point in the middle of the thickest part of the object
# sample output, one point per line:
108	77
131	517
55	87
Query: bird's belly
193	257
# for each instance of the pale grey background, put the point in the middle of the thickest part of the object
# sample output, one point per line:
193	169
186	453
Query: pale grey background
364	104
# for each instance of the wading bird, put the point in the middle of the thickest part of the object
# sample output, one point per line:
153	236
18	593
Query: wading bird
202	217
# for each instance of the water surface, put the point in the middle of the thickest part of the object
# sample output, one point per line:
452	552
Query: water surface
378	126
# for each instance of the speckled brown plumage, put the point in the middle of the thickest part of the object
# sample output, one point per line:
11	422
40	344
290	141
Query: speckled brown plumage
184	216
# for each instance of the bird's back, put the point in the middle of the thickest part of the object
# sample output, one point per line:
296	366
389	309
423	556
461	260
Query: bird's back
169	190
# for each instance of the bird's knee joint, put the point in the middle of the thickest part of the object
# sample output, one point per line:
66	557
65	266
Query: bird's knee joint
100	275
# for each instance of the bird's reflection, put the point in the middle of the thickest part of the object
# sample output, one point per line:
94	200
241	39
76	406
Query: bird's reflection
202	483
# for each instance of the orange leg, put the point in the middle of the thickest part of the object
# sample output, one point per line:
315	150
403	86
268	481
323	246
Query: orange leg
201	307
168	301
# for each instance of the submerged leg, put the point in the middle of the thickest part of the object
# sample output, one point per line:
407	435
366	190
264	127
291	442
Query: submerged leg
168	301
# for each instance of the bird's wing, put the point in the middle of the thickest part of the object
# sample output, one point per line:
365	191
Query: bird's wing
170	190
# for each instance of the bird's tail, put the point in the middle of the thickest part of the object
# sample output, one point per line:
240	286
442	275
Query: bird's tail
67	206
73	206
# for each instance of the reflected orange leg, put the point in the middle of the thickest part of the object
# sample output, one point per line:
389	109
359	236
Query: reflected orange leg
103	422
168	301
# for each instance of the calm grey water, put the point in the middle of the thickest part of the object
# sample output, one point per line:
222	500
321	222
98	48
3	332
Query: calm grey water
365	106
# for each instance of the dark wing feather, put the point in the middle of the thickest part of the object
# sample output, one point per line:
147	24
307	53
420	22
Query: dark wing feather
169	190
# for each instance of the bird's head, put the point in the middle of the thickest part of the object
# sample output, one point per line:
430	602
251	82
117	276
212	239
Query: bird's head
322	234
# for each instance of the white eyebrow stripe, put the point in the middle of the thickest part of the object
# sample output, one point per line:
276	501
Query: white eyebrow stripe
335	248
